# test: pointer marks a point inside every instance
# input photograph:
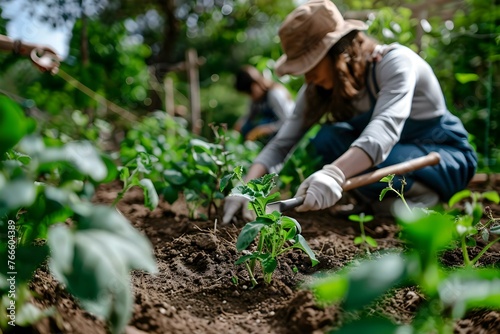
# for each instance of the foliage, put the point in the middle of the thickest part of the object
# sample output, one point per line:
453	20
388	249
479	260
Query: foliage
45	212
186	164
363	239
276	233
465	54
449	292
132	175
469	225
390	187
462	50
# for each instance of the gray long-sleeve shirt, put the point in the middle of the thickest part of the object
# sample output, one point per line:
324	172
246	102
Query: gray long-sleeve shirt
409	89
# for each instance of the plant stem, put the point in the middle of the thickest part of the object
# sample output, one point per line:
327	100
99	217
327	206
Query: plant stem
250	273
464	252
362	229
484	250
120	195
404	202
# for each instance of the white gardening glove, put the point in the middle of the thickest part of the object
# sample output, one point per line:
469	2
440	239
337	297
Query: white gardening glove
322	189
232	204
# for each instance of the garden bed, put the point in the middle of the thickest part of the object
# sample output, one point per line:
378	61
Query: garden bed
199	289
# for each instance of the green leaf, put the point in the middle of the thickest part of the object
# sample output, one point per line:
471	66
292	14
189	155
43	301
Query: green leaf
61	242
370	241
373	278
330	289
151	198
491	196
268	263
250	231
238	171
82	155
28	314
174	177
27	259
301	243
291	226
13	124
387	178
464	290
358	240
464	78
367	218
170	194
108	219
124	174
485	234
373	326
245	258
470	242
495	229
104	249
16	194
110	167
354	218
466	193
225	181
383	192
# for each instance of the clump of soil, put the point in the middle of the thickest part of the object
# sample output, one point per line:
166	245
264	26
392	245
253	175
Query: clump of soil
199	289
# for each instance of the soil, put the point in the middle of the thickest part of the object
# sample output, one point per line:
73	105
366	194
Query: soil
194	291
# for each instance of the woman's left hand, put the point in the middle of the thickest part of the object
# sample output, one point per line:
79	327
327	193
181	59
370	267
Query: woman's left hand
322	189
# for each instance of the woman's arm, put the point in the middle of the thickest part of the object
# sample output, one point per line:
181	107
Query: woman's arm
353	162
276	151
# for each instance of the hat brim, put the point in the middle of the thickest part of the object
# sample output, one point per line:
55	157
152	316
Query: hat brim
314	55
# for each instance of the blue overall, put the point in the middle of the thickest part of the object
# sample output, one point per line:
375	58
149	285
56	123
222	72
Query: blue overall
445	135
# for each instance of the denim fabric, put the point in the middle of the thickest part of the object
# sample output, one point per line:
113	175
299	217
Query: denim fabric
445	135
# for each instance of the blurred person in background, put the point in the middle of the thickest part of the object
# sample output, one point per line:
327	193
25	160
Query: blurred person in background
378	105
270	105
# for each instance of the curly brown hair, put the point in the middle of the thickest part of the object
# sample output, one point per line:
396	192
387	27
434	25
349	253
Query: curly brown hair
351	58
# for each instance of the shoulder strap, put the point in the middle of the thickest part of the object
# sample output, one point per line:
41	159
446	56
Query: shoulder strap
371	85
377	55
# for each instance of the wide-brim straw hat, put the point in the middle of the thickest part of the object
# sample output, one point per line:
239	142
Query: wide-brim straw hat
308	33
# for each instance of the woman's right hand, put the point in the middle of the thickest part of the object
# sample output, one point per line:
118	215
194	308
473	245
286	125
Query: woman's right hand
232	205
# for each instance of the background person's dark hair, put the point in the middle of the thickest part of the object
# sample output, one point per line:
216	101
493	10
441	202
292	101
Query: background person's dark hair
243	81
248	75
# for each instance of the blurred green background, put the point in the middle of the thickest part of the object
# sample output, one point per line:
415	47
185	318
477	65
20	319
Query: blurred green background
125	51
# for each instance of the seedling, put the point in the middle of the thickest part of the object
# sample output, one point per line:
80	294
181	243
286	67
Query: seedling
132	174
469	225
363	239
390	187
276	234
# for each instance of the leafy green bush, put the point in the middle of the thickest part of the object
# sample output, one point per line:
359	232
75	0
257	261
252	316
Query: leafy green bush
186	164
449	292
46	213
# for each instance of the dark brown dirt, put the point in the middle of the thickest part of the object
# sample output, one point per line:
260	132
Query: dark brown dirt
194	291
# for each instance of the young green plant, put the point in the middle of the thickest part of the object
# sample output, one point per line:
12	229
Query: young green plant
469	225
390	187
276	234
363	239
132	174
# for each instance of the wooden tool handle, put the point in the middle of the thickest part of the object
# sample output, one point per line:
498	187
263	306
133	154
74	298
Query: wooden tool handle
430	159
